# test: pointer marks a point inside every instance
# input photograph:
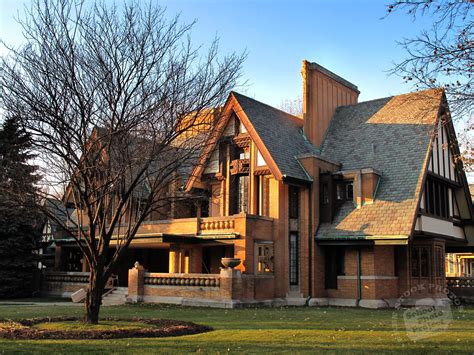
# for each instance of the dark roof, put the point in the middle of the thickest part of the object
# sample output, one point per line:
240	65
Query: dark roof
391	135
281	133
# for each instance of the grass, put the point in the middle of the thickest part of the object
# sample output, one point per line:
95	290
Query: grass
257	330
80	326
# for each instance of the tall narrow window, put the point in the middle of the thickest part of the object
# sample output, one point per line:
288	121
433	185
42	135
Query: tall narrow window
263	195
243	194
294	259
439	261
437	198
294	198
415	262
425	262
325	194
420	262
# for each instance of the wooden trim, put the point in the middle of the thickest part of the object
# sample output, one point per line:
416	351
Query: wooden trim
262	171
440	178
427	214
256	138
436	235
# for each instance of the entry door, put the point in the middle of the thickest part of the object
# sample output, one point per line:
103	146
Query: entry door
294	259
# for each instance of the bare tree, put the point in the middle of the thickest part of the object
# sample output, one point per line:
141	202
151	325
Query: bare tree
442	56
117	101
293	107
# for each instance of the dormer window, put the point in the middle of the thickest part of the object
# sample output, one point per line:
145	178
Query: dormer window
345	191
325	194
350	191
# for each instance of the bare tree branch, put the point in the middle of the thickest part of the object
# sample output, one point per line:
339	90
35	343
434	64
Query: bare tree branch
108	95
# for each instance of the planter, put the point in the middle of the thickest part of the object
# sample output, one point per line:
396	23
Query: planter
230	262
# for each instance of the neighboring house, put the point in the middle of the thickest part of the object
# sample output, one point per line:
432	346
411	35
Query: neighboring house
51	229
353	204
461	264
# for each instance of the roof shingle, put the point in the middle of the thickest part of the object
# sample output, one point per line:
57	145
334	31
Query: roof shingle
393	136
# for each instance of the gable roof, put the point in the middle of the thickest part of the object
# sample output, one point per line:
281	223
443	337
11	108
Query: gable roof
277	134
392	135
281	134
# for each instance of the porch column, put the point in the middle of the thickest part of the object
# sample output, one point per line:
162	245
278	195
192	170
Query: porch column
174	260
136	279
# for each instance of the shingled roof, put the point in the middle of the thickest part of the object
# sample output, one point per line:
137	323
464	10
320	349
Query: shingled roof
281	133
391	135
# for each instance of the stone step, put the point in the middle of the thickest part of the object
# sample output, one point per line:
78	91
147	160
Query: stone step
116	297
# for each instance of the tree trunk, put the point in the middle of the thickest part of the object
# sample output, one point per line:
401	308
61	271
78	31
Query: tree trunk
94	297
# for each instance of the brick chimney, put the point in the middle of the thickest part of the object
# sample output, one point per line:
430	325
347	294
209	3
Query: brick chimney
323	91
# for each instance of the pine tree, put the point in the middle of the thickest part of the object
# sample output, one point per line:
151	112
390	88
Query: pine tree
19	220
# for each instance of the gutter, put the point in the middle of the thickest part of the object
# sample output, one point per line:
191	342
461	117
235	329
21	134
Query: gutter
310	242
359	278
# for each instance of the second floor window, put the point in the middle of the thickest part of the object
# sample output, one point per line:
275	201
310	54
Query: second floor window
325	194
437	198
294	201
345	191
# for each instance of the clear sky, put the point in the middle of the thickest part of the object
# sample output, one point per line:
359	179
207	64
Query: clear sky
348	37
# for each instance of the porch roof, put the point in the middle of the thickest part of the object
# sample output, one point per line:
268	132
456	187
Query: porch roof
170	238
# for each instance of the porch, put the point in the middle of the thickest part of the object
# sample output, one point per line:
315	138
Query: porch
225	289
184	254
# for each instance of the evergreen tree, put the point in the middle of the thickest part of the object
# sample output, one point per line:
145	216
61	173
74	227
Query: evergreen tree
19	220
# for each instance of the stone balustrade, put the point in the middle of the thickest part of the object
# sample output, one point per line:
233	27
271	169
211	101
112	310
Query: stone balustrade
460	281
218	224
73	277
196	280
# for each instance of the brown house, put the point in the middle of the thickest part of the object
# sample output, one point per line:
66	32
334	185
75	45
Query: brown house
353	205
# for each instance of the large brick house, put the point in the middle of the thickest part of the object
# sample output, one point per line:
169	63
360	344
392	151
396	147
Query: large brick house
350	204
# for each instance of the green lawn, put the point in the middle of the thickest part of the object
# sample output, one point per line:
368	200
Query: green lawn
256	330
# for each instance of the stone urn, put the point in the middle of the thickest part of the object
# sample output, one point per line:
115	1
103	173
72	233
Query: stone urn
230	262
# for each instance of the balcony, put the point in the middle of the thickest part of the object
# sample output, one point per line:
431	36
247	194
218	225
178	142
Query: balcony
240	166
183	230
210	227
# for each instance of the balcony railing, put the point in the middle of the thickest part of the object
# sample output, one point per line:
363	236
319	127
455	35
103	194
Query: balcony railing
196	280
460	282
217	223
67	276
240	166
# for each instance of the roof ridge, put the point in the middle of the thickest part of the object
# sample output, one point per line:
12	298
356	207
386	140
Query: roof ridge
392	96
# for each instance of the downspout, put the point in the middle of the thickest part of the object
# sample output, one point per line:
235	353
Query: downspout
359	278
310	242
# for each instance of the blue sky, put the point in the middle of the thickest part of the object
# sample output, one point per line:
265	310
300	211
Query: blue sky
347	37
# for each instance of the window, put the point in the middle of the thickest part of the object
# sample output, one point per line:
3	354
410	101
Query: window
264	252
439	261
350	192
437	198
345	191
294	259
340	192
294	198
242	200
420	262
325	194
263	195
334	265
